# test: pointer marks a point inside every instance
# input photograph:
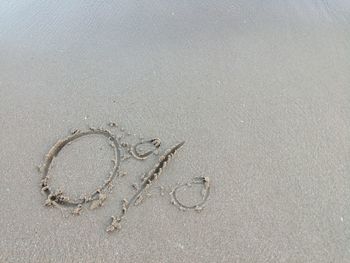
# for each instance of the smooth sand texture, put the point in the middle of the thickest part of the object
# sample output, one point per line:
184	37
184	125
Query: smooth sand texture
259	91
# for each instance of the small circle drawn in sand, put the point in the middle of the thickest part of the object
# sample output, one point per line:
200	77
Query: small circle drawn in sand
204	181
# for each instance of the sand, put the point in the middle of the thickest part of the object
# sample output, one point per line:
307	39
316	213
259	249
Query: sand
259	92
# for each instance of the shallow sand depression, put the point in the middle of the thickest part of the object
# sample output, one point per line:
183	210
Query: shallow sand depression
259	92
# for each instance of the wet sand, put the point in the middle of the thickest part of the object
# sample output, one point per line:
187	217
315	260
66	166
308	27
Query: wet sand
259	92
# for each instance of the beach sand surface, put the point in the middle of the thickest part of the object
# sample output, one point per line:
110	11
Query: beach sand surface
259	90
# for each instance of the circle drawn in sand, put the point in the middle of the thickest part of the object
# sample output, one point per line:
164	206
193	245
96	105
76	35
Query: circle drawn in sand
98	196
137	154
204	181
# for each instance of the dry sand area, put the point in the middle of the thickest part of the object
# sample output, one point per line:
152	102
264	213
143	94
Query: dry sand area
258	90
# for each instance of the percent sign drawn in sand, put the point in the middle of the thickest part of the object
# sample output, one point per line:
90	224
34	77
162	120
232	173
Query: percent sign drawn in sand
122	152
